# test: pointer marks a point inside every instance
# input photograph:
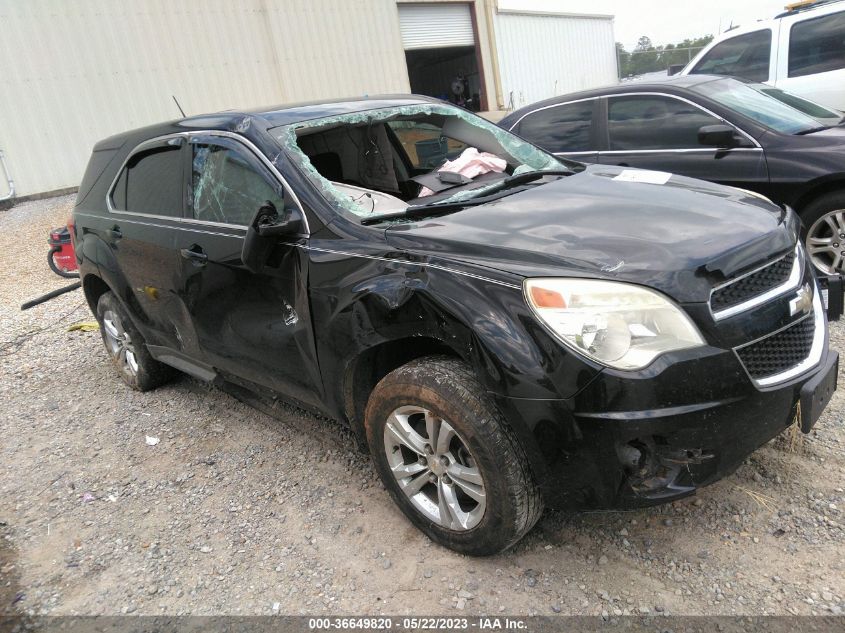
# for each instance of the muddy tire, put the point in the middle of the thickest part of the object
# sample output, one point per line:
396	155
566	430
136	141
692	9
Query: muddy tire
449	459
127	349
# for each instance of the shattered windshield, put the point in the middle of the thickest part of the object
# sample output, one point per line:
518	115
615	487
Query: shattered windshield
385	161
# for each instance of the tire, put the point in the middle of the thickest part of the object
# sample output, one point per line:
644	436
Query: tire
127	349
52	264
825	246
477	464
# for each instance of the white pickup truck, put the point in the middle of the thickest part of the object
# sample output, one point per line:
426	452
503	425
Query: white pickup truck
801	50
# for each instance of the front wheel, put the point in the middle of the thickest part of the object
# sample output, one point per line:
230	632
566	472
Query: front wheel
449	459
824	236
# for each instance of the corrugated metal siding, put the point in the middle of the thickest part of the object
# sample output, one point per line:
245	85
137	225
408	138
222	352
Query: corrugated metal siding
76	72
435	25
545	56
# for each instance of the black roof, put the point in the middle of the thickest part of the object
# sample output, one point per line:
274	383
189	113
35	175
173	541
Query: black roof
678	84
266	117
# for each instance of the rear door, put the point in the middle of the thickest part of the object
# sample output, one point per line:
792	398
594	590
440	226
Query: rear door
255	327
812	58
146	205
660	132
567	130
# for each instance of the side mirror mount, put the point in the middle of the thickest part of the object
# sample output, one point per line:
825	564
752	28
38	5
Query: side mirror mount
674	69
721	136
265	227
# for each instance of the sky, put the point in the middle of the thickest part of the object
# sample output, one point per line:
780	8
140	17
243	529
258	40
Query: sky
664	21
670	21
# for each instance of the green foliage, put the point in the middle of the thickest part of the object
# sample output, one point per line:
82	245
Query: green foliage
647	58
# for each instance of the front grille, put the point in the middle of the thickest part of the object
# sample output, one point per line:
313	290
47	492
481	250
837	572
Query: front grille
753	285
780	351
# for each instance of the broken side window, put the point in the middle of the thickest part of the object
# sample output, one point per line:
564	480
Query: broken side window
226	186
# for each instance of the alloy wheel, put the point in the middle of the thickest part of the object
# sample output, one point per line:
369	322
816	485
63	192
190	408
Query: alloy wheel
826	242
434	468
119	342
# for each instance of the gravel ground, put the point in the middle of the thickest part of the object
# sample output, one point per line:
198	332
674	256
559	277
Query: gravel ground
235	512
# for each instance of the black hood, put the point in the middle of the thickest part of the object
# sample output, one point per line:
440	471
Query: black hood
680	237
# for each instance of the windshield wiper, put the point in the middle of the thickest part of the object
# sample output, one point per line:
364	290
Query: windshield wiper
496	191
528	176
507	183
813	130
437	208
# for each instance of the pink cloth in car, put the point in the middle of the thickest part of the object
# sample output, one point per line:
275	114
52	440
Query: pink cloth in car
471	163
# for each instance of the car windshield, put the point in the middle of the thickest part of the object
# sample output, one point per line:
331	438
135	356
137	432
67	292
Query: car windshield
387	161
757	105
810	108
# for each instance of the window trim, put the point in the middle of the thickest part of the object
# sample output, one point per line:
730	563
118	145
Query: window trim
555	105
189	208
772	46
757	146
604	124
595	120
186	136
791	31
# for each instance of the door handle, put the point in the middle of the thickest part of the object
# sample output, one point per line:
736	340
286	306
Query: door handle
623	164
115	232
194	254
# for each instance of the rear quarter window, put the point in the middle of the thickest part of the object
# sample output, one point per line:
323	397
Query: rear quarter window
817	45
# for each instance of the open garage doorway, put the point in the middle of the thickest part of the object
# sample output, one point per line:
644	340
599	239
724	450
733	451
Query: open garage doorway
442	53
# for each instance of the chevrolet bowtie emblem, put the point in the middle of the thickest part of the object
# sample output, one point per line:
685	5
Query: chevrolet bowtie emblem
802	302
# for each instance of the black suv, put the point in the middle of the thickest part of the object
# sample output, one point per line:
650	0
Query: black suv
503	329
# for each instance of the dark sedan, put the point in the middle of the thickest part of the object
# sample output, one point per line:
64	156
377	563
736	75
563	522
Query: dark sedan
713	128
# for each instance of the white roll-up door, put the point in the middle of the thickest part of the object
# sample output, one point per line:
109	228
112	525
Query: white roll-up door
435	25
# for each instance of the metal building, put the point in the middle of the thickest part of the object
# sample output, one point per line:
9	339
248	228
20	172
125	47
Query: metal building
76	72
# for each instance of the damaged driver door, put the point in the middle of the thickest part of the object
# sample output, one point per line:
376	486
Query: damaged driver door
251	327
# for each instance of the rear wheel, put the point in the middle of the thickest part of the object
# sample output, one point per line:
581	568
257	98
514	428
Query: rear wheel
824	237
127	348
449	459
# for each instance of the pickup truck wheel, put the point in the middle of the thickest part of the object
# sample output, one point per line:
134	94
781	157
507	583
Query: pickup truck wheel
824	237
127	348
449	459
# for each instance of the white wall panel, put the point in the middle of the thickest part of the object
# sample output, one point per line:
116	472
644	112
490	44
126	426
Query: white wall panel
542	56
76	72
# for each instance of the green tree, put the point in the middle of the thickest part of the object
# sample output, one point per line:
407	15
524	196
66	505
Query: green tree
646	57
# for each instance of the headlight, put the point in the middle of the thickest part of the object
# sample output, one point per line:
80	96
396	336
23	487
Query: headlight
617	324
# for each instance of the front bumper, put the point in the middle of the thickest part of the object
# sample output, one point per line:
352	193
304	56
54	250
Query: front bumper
628	443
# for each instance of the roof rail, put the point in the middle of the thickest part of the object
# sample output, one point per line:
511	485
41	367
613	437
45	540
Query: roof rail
803	5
